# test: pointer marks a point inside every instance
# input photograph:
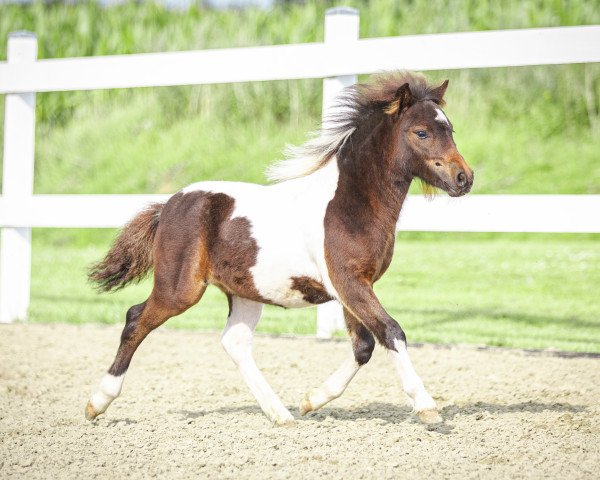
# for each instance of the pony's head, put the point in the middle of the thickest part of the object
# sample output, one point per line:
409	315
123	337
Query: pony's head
423	136
395	121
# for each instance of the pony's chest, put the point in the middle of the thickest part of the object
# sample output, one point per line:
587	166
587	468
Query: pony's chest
386	256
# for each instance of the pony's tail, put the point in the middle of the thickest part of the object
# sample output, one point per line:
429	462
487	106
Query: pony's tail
130	256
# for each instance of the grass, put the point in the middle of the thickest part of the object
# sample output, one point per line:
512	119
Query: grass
524	130
132	148
87	29
528	291
535	103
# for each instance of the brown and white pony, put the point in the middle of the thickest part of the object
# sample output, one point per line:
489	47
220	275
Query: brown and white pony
324	230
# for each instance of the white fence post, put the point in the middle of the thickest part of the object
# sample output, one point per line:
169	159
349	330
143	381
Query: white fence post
341	27
17	184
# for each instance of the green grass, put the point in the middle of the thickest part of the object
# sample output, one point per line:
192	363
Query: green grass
524	130
542	122
86	29
132	148
529	291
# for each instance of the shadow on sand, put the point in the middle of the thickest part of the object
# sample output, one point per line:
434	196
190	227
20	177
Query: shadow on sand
388	413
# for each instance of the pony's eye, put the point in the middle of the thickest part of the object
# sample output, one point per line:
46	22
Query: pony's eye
421	134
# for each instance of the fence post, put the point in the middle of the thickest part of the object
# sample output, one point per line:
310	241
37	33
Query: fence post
341	27
17	183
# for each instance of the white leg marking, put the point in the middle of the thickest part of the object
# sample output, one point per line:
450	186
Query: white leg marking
331	388
109	389
411	382
237	341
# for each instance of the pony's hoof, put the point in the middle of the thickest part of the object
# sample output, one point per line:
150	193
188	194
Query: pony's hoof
285	421
90	413
430	417
305	406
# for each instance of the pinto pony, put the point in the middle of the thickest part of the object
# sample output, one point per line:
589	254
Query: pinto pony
324	230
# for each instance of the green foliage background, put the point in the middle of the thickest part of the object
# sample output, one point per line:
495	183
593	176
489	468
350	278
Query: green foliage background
533	129
524	130
89	30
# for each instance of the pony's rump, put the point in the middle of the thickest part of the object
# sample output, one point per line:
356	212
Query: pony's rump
130	256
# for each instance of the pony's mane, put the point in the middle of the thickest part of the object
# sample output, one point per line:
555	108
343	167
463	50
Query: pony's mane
352	106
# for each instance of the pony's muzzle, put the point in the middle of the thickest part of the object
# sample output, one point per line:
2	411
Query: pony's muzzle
464	181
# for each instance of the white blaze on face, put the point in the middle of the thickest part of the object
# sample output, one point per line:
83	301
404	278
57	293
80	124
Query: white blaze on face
441	117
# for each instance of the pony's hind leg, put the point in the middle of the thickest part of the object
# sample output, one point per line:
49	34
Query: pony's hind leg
140	321
237	341
363	344
112	381
180	274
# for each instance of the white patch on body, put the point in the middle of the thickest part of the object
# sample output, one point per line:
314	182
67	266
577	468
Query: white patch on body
287	223
441	116
109	389
237	341
411	382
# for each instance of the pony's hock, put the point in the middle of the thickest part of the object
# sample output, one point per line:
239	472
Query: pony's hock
325	229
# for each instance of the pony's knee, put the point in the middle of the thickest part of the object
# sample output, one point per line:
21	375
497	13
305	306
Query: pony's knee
393	334
363	348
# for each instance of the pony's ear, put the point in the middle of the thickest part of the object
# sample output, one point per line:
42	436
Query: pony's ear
438	93
402	100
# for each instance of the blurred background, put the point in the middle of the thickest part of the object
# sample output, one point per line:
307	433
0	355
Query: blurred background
524	130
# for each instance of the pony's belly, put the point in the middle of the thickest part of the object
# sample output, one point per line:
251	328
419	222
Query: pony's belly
299	291
288	298
290	288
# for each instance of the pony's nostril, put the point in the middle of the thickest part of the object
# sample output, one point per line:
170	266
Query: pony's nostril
461	179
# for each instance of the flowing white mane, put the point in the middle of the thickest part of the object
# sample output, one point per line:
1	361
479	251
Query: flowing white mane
309	157
322	145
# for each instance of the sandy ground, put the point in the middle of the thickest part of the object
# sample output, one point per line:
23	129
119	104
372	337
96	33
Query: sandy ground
184	412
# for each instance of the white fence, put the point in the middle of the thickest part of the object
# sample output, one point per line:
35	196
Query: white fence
338	60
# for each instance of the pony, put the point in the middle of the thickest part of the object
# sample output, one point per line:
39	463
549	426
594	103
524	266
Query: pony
323	230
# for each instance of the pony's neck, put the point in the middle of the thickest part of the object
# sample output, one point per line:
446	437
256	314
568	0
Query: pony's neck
368	177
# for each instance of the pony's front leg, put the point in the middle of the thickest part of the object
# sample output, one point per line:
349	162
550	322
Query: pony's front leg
363	344
424	406
360	299
237	341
